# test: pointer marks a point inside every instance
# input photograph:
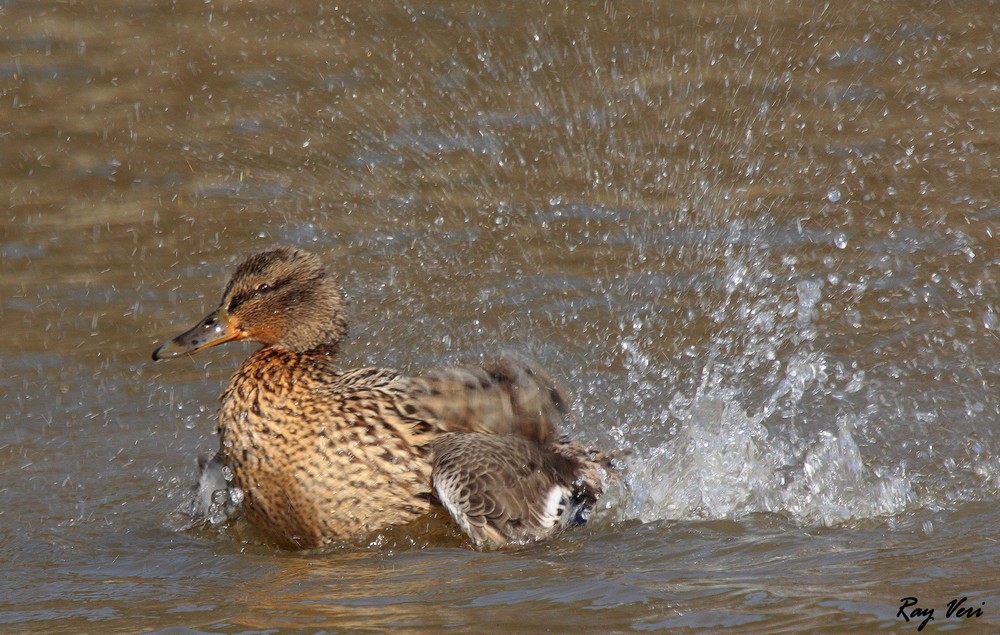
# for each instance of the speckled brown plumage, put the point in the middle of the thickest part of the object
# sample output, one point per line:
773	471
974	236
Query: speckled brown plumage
323	455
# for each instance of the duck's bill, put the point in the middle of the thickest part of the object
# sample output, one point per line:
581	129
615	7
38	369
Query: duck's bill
215	329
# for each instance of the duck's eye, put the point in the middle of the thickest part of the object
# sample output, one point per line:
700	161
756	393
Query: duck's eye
263	287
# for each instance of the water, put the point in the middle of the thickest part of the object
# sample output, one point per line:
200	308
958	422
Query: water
757	241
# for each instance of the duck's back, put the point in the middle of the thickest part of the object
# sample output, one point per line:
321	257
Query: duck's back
504	396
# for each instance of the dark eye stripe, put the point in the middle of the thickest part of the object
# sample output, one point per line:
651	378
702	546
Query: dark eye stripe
237	300
262	288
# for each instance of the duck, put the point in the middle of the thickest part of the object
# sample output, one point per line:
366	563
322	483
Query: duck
322	455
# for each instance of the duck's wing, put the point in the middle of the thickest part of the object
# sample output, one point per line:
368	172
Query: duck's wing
503	489
506	396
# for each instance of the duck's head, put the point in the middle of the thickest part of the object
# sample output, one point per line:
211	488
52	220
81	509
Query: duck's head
281	298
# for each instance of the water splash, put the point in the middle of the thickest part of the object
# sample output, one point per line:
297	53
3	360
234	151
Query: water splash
769	428
723	463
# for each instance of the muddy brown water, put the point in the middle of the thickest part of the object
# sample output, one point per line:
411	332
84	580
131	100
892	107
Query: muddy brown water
758	241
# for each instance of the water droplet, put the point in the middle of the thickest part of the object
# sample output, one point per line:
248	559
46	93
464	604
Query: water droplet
840	240
833	195
857	382
990	320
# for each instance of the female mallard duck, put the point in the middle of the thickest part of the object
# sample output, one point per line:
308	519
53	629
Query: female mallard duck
322	454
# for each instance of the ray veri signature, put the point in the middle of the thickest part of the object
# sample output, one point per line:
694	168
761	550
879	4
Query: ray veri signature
909	610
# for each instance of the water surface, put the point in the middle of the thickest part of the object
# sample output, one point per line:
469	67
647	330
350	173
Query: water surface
758	241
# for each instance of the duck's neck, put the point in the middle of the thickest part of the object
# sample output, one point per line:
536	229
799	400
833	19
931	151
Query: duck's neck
325	353
271	376
278	370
